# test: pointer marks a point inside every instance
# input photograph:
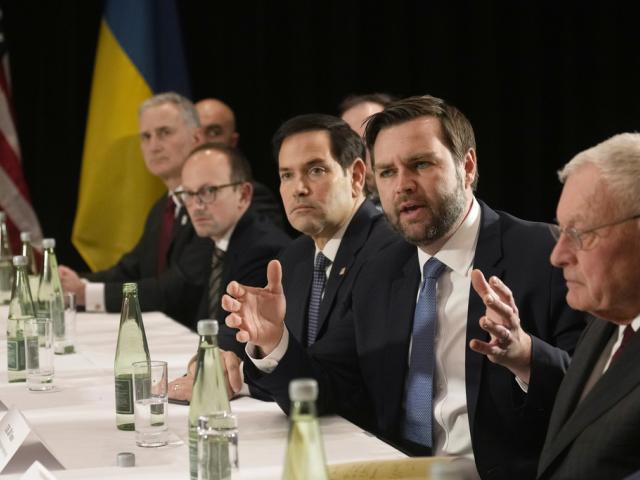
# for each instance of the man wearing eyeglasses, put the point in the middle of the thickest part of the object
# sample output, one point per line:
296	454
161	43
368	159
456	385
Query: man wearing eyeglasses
594	431
169	260
216	191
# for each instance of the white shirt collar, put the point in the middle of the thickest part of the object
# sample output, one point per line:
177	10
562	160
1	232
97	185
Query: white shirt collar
223	243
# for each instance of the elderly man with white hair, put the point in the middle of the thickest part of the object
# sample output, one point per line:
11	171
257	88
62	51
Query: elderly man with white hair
594	430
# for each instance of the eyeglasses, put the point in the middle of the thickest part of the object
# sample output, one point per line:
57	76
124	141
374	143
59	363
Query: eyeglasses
584	239
204	195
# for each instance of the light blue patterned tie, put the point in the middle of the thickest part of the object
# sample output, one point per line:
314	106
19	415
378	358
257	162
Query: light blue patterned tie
418	423
317	287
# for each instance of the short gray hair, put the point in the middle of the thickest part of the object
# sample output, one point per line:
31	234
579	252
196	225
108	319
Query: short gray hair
184	106
618	159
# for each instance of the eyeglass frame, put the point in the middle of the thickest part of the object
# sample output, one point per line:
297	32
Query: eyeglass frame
208	190
575	234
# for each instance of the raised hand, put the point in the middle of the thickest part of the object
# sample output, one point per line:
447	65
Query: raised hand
509	345
258	313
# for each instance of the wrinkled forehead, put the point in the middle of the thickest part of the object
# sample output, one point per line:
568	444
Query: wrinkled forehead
585	199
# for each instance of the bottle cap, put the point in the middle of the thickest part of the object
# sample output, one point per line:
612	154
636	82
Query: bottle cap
207	327
126	459
25	236
129	288
303	390
2	216
48	243
19	260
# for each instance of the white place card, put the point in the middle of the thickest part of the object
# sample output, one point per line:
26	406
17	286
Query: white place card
13	431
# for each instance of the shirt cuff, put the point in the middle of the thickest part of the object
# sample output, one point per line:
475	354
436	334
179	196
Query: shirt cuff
269	363
94	297
523	386
244	391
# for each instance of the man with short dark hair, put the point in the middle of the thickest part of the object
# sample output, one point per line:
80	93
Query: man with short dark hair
321	168
399	360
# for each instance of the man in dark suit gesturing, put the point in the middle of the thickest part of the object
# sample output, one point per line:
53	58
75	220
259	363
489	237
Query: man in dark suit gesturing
400	359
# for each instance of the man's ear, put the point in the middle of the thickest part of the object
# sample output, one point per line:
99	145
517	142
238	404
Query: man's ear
246	193
470	165
358	169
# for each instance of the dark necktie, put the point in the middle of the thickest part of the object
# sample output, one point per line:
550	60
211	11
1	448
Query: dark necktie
418	423
317	287
166	228
215	282
626	338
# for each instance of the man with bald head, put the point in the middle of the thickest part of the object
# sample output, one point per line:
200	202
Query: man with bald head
218	122
168	263
218	125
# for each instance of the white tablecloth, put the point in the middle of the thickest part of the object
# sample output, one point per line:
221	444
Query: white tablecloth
76	422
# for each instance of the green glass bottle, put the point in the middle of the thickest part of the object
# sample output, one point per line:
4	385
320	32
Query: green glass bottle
305	458
132	347
50	303
6	267
33	270
209	393
20	309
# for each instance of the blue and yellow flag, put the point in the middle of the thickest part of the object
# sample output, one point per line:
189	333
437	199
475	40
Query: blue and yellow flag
139	54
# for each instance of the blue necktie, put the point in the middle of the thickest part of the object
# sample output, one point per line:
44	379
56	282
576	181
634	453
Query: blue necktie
418	423
317	287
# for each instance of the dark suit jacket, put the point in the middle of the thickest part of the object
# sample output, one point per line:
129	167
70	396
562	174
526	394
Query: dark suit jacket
265	203
178	289
367	233
254	242
362	367
600	436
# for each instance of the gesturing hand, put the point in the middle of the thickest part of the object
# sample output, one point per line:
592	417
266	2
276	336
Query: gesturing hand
258	313
509	345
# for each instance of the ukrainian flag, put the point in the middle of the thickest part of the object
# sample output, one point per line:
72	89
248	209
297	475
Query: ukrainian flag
139	54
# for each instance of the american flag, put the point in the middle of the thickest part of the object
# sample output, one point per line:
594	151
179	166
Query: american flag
14	195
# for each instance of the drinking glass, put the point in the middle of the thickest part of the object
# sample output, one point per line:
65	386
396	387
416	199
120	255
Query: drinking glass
217	446
38	340
150	403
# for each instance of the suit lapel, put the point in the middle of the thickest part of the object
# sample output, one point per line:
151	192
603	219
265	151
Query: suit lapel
487	259
569	420
397	329
353	240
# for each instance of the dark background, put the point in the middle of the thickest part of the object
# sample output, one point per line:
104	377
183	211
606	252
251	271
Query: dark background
539	81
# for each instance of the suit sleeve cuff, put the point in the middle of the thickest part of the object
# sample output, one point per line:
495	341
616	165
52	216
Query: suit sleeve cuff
269	363
94	297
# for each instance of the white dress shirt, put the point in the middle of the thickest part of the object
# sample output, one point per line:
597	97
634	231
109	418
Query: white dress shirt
452	434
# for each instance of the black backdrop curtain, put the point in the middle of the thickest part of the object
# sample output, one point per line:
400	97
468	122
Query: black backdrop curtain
539	81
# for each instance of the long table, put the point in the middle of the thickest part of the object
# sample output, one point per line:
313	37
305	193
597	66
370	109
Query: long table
75	424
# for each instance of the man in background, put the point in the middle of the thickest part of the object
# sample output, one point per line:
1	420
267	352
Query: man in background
218	123
355	110
169	261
